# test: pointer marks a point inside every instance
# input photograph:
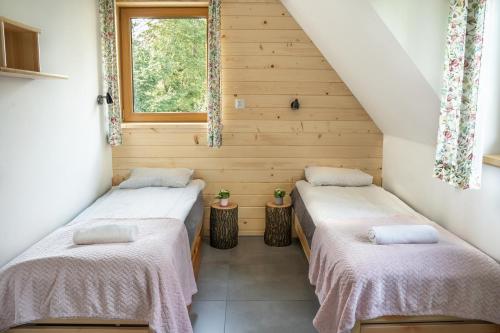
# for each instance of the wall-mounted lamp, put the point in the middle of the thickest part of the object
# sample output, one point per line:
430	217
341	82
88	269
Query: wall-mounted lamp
295	104
107	97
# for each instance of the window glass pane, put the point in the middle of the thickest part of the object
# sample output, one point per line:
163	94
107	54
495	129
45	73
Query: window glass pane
169	64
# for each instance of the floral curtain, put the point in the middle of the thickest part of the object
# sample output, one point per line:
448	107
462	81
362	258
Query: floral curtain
456	160
107	17
214	68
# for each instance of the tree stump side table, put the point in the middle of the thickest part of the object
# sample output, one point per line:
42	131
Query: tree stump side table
224	226
278	224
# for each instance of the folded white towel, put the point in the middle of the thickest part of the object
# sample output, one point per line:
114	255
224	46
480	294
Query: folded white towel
403	234
110	233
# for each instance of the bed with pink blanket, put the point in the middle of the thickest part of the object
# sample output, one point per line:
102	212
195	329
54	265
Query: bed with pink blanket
357	282
149	280
145	285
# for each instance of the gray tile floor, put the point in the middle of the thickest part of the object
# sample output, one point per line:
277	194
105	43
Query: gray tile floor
253	288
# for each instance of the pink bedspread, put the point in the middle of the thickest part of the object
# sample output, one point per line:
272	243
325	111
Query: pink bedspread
149	280
356	280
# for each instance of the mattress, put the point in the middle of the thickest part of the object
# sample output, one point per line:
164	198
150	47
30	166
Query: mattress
314	204
184	204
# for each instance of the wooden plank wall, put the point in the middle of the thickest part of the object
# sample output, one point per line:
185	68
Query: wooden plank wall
268	61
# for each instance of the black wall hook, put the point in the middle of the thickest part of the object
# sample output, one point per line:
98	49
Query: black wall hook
295	104
107	97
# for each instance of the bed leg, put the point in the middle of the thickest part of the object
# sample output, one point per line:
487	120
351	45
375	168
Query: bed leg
196	253
302	237
357	327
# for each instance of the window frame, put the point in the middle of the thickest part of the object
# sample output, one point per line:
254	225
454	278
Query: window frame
125	55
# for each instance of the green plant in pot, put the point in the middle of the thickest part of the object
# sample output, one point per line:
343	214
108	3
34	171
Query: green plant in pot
279	194
223	197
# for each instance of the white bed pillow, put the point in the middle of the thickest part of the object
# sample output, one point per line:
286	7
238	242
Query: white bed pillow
157	177
318	176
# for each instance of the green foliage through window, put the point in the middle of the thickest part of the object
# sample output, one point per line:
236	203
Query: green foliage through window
169	64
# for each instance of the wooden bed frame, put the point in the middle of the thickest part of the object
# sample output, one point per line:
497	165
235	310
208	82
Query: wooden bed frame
85	325
409	324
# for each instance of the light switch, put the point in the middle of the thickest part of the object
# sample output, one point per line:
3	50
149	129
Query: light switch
239	103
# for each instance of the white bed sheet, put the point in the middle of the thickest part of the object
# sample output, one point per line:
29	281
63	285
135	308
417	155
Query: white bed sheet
147	202
334	202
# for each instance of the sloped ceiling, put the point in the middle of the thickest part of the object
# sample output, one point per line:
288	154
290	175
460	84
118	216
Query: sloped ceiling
370	60
424	43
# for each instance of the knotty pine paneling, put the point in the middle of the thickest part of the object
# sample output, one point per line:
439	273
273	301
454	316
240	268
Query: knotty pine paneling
264	22
284	49
267	60
274	62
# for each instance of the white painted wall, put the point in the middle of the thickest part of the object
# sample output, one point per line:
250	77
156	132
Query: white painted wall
420	28
390	53
54	160
473	214
416	24
489	95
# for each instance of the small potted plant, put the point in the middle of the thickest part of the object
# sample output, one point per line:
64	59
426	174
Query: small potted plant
223	197
279	194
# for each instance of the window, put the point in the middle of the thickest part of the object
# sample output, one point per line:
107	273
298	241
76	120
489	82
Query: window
163	64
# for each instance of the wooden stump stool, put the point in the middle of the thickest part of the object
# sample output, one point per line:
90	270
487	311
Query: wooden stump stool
278	224
224	226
